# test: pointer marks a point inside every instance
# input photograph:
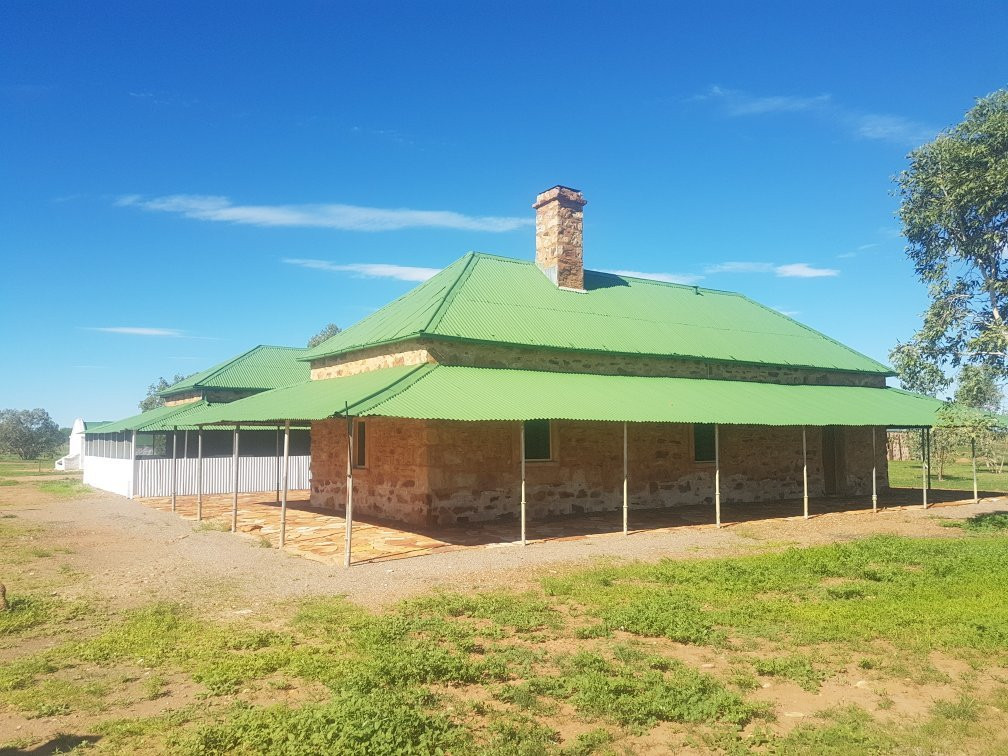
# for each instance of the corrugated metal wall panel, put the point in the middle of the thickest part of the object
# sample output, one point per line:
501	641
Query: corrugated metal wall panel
254	474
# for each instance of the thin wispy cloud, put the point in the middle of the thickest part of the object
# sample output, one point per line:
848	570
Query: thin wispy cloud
804	270
789	313
875	126
368	270
679	278
337	216
736	103
790	270
139	331
741	267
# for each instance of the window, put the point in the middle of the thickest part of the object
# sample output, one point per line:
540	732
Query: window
703	443
537	440
360	445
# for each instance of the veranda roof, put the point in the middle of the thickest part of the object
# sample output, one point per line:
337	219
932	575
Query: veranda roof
439	392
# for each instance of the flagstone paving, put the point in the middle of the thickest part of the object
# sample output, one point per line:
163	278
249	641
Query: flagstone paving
319	534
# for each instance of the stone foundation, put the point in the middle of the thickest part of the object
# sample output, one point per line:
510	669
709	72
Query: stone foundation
429	473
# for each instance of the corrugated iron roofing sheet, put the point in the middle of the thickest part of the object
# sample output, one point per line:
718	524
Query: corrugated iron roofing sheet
260	368
499	300
315	400
484	394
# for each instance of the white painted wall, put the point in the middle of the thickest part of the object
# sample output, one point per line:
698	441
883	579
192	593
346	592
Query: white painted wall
115	475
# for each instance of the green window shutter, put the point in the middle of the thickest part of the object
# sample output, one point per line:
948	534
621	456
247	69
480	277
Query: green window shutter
703	442
537	440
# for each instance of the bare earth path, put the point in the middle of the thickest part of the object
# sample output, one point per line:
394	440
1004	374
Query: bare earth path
130	553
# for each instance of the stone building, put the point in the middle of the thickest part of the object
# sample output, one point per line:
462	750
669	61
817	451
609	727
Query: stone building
498	375
504	388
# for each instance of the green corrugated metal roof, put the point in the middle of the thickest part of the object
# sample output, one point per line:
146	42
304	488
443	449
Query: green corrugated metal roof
260	368
464	393
315	400
486	298
135	422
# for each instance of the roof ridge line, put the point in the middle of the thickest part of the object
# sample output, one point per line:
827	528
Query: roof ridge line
449	297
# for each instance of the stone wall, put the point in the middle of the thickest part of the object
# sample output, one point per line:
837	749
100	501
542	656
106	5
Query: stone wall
393	483
419	351
367	360
211	395
434	472
179	399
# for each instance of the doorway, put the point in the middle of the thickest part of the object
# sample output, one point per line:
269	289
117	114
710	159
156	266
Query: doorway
833	459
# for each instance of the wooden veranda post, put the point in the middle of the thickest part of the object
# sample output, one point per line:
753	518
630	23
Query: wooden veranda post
348	520
929	458
174	467
874	473
626	502
804	471
234	500
283	499
278	464
717	475
924	469
522	453
199	476
976	491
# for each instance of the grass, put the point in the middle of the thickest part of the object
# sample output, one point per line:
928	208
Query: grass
66	487
958	476
588	664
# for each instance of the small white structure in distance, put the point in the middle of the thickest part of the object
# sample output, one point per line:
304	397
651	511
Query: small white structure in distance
75	454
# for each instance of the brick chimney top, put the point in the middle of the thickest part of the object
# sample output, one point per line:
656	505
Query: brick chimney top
559	242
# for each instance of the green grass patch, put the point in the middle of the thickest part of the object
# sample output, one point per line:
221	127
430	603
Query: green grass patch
8	482
986	523
920	594
67	487
24	613
797	668
378	722
958	476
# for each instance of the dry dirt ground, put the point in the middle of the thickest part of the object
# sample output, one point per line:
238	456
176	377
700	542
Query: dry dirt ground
121	554
132	554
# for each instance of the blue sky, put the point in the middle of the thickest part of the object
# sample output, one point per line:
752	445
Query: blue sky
182	181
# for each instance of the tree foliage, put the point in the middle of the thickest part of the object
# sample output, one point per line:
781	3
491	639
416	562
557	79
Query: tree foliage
326	333
153	398
29	433
954	210
979	389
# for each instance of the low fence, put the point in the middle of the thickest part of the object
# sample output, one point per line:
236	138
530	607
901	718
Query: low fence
254	474
153	476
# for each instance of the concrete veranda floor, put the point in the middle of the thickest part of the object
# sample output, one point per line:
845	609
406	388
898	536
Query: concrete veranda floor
319	534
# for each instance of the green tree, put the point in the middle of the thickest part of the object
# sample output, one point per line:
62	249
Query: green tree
954	210
29	433
979	389
326	333
153	398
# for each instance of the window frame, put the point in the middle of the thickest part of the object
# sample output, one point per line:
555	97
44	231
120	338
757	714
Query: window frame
693	445
550	441
360	460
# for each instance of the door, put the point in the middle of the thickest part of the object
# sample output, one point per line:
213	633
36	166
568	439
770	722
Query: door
834	465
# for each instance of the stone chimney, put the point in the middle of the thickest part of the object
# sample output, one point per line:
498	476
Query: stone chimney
559	245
